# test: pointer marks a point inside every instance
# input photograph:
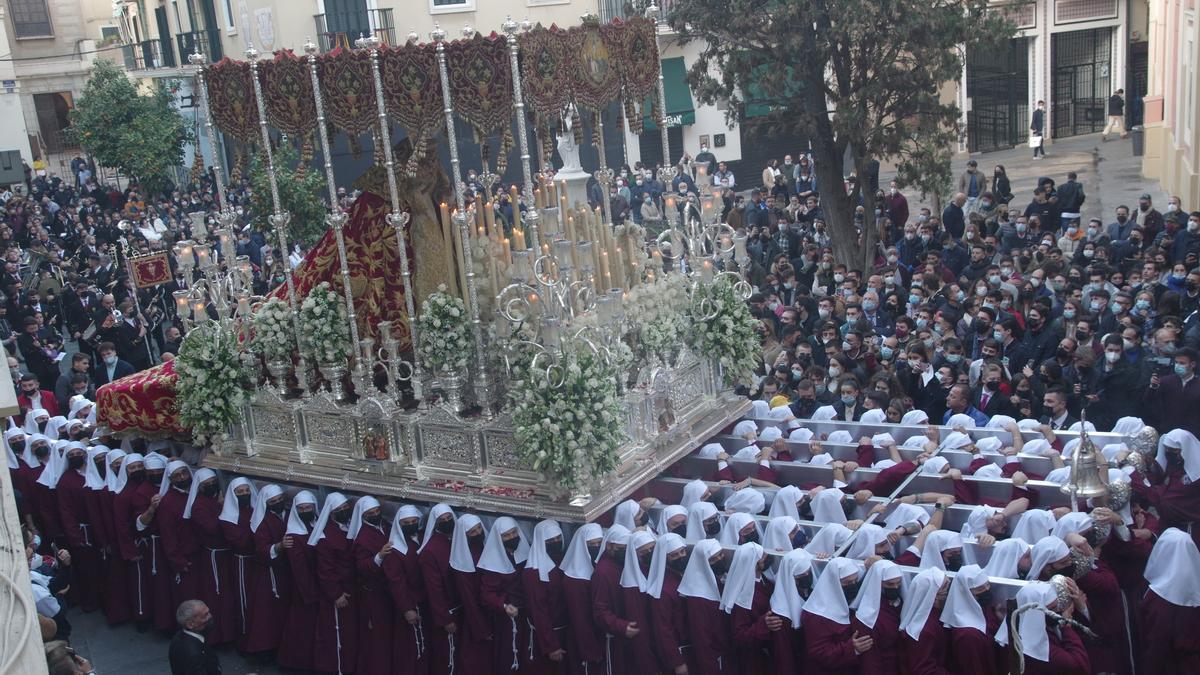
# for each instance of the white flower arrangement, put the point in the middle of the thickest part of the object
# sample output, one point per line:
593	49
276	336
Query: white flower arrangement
272	325
570	433
663	335
724	330
444	332
212	385
324	326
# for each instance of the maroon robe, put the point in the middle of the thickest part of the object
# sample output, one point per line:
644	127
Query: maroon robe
150	569
640	658
787	649
473	643
1106	609
609	614
376	614
180	548
669	621
297	641
883	658
335	647
410	642
1178	503
216	584
976	652
751	637
909	559
1170	640
708	630
126	556
440	589
585	648
243	571
547	611
44	506
1067	656
927	655
829	647
75	516
272	588
510	637
115	574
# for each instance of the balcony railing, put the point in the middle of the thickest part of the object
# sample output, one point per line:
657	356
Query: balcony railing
625	9
341	29
150	54
208	42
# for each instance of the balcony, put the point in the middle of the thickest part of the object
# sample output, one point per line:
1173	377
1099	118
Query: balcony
150	55
207	42
625	9
341	29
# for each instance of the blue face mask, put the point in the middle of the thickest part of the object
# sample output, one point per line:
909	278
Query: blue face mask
885	352
961	296
1181	370
914	299
1142	305
869	306
1116	309
954	358
922	324
1068	314
848	400
998	335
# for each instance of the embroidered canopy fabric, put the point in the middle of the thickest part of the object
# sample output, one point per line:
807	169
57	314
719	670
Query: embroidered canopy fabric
145	402
348	90
231	99
288	94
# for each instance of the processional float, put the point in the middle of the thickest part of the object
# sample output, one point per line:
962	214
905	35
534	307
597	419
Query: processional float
564	291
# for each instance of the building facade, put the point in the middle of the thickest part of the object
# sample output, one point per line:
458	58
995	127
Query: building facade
1072	54
1172	154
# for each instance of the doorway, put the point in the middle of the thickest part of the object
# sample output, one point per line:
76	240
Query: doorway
998	86
1082	81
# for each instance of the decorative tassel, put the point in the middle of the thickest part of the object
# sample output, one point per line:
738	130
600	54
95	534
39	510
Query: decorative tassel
507	143
307	150
197	172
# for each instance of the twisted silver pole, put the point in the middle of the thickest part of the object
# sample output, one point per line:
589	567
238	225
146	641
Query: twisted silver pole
482	386
279	219
604	175
336	218
531	214
652	12
397	218
197	59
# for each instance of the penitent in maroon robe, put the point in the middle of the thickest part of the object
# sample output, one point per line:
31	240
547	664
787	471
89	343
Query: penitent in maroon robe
1177	501
751	637
668	616
640	656
1067	656
45	509
150	576
585	645
976	652
75	515
609	614
1170	639
510	637
376	614
708	628
926	656
296	642
473	643
243	571
410	642
217	586
180	548
335	648
883	658
1106	610
272	588
829	647
116	597
547	611
444	608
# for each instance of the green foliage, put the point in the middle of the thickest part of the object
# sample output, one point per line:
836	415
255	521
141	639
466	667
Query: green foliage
142	135
299	195
857	75
926	167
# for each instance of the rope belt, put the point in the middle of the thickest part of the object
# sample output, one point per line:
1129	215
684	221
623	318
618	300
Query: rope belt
212	557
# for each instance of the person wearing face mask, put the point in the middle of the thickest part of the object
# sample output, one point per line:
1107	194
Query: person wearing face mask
445	615
181	547
1173	399
639	553
707	625
607	599
1112	385
271	591
585	644
746	598
501	594
877	614
335	642
542	588
124	559
832	645
1171	605
972	620
216	584
191	650
370	546
66	480
923	638
299	626
667	612
402	573
1170	482
236	511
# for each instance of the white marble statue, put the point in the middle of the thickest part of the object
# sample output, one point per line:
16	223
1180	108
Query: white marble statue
568	149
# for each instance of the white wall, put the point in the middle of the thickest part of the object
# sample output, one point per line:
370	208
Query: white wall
14	134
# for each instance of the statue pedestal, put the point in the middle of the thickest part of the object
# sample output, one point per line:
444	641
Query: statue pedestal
577	182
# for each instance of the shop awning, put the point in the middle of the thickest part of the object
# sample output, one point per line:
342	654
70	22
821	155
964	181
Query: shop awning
680	109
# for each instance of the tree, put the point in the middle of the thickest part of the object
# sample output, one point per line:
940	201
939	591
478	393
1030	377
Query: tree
142	135
299	195
854	75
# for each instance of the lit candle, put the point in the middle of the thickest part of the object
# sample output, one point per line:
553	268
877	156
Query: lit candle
562	200
202	257
444	211
507	249
519	238
670	200
181	303
489	219
571	228
537	198
605	274
658	259
199	310
706	271
562	193
516	206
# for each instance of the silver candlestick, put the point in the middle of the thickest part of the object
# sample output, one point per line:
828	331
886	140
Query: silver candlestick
530	215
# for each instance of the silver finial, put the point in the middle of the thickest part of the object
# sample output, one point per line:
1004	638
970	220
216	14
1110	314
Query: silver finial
196	59
652	10
509	26
526	25
309	47
361	43
437	34
413	37
252	54
467	31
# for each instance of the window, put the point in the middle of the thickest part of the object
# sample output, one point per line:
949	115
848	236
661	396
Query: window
30	18
1188	100
229	25
451	6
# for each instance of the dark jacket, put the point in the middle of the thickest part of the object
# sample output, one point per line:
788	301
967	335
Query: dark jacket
1070	197
189	656
1116	105
100	372
1037	122
953	220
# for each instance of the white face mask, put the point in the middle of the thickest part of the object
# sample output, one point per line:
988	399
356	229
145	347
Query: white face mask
1112	357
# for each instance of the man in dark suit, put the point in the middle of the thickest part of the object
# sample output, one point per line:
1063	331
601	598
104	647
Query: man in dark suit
1037	126
1054	402
189	654
988	399
110	367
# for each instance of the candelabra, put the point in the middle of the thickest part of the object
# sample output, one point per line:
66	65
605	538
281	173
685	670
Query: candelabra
226	289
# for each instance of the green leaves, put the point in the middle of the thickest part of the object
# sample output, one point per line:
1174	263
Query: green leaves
299	194
141	134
